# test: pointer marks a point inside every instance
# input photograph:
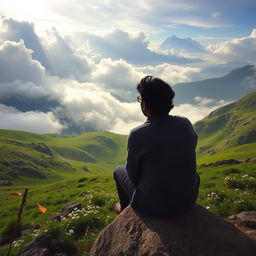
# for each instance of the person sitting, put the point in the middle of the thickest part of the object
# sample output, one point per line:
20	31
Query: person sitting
160	178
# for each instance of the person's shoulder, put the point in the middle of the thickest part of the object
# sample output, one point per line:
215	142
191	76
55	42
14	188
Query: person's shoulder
139	129
181	119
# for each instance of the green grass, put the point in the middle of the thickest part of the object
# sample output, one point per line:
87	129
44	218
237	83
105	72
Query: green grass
60	169
228	127
28	157
224	190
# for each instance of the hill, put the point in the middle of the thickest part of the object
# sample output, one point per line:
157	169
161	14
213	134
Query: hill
232	86
229	131
43	158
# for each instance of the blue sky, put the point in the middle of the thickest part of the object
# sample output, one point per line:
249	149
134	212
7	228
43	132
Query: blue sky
205	20
76	63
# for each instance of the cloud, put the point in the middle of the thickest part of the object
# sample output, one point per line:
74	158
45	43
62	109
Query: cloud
134	49
172	74
65	61
238	49
16	63
87	105
16	31
38	122
118	77
203	107
91	84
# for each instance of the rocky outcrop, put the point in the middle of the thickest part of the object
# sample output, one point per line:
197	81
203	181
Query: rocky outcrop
248	218
198	233
68	208
42	246
229	162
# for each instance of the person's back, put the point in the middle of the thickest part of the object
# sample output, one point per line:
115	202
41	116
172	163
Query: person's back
163	149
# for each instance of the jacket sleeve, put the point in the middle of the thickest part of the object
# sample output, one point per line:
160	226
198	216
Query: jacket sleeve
132	165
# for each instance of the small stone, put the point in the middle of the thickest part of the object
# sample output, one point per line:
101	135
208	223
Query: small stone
232	217
248	218
70	207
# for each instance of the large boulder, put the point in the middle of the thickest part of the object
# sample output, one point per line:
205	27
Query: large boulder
198	233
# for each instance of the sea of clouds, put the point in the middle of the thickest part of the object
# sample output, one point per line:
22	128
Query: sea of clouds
56	83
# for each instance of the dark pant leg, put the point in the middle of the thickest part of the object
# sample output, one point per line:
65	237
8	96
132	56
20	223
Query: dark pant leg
125	187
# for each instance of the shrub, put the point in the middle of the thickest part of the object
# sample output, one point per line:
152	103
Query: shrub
98	200
245	206
8	229
60	201
80	185
55	230
80	227
82	179
231	171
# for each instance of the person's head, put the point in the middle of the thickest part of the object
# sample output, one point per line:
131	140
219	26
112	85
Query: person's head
156	96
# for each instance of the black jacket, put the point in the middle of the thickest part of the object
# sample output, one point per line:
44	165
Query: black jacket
161	163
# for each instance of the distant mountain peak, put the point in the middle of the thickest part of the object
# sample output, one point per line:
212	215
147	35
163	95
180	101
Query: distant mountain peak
184	44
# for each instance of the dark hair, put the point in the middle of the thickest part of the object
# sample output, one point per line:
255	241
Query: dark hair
157	94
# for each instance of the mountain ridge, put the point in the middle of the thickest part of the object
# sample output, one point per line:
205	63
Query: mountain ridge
228	127
230	87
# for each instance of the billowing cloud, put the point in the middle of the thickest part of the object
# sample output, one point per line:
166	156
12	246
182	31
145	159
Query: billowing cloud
203	107
87	105
16	63
82	83
134	49
118	77
65	61
16	31
239	49
32	121
171	73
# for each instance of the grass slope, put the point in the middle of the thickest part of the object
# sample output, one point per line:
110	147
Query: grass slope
228	131
59	169
224	190
43	158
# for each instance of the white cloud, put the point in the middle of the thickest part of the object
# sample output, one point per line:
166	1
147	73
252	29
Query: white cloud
16	63
38	122
85	104
133	48
172	74
13	30
118	77
89	76
238	49
64	60
203	107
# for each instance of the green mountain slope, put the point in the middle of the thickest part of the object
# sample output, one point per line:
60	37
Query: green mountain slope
42	158
229	131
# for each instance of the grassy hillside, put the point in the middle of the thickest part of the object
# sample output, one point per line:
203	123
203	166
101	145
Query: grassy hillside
28	157
61	169
228	132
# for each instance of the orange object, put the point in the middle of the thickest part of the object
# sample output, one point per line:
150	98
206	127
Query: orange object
17	194
42	209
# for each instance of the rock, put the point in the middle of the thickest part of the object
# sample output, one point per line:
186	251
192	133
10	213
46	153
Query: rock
198	233
70	207
37	226
232	217
57	216
248	218
5	183
66	209
42	246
